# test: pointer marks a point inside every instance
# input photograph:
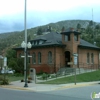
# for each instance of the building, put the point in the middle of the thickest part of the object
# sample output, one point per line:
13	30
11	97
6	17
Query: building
54	50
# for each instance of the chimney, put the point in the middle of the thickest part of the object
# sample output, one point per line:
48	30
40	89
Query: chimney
71	29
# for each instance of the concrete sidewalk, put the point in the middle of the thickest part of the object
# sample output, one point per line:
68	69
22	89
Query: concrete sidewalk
45	87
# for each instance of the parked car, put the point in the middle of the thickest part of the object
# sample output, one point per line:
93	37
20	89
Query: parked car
7	71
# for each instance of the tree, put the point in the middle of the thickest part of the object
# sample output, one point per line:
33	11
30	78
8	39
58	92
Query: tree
97	27
39	31
28	38
78	26
63	29
91	23
15	63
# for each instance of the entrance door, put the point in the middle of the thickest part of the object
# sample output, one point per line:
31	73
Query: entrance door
67	58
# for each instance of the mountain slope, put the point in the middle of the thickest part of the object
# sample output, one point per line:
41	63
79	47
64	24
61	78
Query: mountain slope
14	39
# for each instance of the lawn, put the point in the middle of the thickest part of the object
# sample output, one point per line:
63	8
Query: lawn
85	77
13	77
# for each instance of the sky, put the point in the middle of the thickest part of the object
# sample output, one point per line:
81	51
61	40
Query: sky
41	12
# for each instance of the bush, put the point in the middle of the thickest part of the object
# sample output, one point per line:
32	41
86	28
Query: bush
18	74
1	78
4	82
44	76
40	73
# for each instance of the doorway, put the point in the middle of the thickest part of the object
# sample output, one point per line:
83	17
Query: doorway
67	58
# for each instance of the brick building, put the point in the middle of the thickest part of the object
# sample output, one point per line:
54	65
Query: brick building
55	50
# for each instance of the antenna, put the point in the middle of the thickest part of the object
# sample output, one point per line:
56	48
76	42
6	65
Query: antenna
93	28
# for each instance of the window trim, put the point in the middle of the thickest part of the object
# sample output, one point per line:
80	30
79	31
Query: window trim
34	58
39	57
88	58
50	57
92	58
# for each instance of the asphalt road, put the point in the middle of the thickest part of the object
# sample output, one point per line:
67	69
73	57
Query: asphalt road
80	93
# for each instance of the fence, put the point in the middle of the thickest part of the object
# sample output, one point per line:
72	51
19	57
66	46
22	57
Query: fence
71	71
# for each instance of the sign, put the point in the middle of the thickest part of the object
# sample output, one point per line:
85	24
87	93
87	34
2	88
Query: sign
75	54
5	61
70	63
75	60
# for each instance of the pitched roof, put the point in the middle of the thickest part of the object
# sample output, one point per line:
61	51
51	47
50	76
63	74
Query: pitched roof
85	44
54	38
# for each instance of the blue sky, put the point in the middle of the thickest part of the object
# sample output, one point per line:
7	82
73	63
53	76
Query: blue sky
41	12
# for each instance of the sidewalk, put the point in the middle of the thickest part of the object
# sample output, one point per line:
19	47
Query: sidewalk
45	87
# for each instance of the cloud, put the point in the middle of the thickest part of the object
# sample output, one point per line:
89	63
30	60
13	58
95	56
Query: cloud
41	12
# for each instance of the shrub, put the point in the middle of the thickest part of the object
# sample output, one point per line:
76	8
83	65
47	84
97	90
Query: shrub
18	74
1	78
4	82
44	76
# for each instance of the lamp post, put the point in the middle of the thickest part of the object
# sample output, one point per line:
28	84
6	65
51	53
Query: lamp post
25	46
1	58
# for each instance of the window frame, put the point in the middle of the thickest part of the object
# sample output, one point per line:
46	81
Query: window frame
92	58
39	57
34	58
88	58
50	57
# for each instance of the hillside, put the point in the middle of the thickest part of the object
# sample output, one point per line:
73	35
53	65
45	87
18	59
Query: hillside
14	39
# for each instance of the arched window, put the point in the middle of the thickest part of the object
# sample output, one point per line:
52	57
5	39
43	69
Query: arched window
49	57
88	58
39	58
92	58
28	58
34	58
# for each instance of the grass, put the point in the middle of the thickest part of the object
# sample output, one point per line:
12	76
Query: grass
11	77
85	77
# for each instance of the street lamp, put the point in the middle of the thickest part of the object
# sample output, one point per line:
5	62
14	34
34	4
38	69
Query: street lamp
25	46
1	58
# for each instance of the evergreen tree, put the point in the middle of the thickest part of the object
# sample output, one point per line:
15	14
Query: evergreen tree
78	26
39	31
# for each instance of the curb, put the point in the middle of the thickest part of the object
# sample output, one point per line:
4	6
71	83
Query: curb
74	86
12	87
53	89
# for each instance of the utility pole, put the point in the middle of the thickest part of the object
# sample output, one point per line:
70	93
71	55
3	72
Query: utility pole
93	28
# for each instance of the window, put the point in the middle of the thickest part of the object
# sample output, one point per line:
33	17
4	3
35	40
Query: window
39	58
34	58
88	56
19	54
92	58
28	58
35	42
49	57
67	37
40	42
76	37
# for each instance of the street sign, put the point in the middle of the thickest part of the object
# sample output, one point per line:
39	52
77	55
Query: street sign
70	63
75	54
5	61
75	60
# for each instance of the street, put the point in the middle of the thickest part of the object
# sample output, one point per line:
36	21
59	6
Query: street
79	93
